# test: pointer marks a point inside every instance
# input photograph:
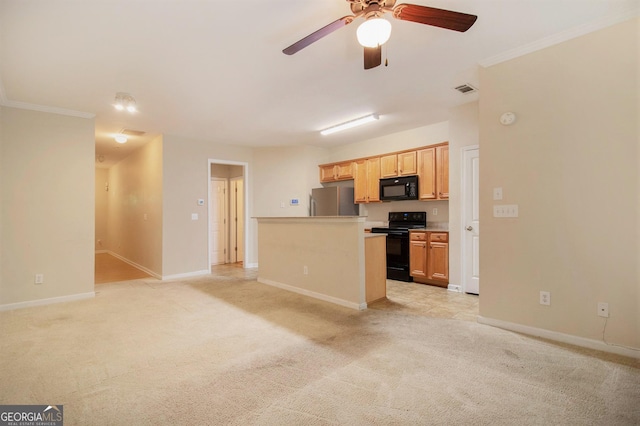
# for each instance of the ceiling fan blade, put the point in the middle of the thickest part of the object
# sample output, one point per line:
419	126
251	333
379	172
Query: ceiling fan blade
372	57
448	19
315	36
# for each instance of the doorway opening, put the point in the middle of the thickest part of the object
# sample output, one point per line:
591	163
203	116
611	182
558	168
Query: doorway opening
227	213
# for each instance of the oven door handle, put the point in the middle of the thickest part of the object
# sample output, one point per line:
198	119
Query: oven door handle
398	234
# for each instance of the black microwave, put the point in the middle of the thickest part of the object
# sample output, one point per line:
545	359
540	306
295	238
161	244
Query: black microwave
399	188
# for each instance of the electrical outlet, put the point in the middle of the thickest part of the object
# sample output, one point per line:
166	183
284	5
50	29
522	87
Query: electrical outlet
435	212
39	279
603	309
505	210
305	270
545	298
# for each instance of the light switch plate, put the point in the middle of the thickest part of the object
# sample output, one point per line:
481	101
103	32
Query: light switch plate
497	193
194	216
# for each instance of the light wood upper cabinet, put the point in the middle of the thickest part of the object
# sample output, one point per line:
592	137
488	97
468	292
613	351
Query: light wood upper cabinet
433	173
367	180
427	174
442	160
336	172
327	173
401	164
389	166
344	171
407	163
430	163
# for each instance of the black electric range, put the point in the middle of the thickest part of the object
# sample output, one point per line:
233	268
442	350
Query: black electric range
398	242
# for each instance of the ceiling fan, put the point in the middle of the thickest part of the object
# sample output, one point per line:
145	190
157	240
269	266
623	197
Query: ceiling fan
375	31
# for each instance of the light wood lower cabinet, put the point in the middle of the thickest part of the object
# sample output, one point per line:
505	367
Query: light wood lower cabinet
418	255
429	257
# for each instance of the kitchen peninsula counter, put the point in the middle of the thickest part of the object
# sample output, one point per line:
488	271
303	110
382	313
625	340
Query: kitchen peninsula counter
326	257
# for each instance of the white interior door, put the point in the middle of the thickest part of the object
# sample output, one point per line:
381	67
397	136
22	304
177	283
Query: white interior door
237	220
217	221
471	221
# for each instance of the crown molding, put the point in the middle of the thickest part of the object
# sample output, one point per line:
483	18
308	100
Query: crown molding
560	37
44	108
4	101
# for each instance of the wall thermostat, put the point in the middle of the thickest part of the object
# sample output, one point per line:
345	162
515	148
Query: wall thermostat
294	202
507	118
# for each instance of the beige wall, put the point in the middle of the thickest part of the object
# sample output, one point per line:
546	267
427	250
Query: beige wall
185	179
283	173
134	207
102	179
571	164
47	202
414	138
463	129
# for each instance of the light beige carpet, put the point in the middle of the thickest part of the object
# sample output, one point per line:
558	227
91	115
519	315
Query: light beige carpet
232	351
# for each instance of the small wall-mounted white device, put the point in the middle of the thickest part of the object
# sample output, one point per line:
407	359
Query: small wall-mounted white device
508	118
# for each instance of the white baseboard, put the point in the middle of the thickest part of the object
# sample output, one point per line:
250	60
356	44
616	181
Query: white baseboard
331	299
49	301
186	275
252	265
102	251
561	337
135	265
454	287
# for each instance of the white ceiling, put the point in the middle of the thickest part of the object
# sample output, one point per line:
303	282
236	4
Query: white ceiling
215	70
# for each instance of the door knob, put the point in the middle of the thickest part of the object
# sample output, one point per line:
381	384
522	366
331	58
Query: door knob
469	228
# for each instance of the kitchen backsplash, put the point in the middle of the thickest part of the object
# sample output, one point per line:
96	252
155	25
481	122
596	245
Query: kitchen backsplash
379	212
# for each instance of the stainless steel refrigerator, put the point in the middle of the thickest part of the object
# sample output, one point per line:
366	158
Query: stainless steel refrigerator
333	201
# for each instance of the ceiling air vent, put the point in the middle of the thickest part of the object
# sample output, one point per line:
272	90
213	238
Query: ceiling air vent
466	88
130	132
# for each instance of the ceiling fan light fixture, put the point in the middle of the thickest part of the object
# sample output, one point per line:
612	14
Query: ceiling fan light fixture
120	138
374	32
350	124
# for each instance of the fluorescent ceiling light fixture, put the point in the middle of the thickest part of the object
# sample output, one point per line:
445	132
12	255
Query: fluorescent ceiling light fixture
374	32
120	138
125	101
349	124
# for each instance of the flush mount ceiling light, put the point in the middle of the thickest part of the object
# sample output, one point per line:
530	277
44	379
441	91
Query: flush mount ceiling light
120	138
374	32
349	124
125	101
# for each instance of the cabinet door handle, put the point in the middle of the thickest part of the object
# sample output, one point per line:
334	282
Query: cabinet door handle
469	228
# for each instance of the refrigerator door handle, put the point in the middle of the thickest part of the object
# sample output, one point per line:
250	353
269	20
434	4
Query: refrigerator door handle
313	207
